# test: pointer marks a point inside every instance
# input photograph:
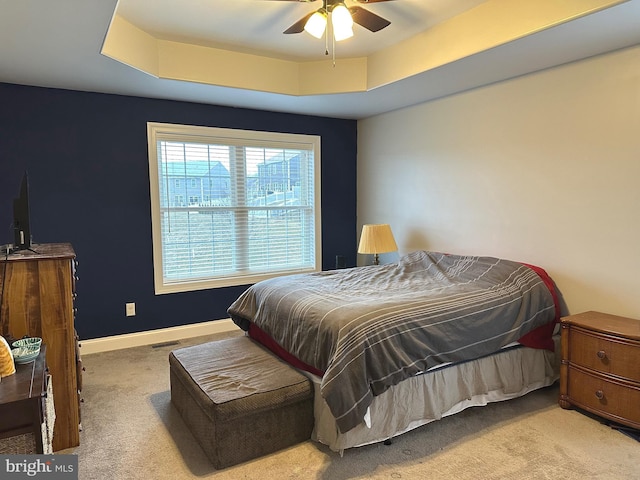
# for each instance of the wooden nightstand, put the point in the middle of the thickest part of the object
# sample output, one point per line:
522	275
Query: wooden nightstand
600	369
22	407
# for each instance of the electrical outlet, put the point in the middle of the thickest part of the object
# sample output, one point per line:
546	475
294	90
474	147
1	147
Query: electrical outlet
130	308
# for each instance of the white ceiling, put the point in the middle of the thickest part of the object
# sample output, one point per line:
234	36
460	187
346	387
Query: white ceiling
57	44
256	26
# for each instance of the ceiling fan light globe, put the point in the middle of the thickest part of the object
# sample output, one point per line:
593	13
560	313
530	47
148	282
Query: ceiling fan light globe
316	24
342	34
342	22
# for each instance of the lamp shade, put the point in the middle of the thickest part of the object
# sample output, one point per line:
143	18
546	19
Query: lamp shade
342	22
377	238
317	23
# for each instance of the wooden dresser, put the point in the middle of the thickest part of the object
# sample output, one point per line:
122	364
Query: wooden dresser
38	301
600	369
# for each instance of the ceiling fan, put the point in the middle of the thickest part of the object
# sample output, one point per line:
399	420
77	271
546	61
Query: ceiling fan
315	22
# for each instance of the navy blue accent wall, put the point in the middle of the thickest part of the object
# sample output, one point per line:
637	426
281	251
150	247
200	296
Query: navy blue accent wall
86	155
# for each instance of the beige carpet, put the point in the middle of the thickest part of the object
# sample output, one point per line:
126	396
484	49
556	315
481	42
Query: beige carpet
131	431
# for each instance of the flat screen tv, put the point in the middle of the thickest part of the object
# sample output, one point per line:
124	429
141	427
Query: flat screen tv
21	225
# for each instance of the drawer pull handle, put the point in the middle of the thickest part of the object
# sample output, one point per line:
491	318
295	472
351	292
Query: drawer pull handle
602	354
599	394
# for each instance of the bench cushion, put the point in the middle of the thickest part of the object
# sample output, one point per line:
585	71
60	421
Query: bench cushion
239	400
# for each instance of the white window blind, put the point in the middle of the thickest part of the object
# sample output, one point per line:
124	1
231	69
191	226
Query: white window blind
232	207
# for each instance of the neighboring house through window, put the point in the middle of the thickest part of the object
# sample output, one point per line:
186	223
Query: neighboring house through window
253	208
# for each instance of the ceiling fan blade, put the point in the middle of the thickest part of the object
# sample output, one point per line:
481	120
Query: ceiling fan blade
368	20
371	1
298	27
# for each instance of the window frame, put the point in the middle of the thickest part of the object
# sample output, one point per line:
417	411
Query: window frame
213	135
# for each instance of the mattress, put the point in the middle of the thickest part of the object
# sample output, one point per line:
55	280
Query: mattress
439	392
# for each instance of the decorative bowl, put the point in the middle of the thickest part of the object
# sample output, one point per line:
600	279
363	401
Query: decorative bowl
28	342
26	349
25	354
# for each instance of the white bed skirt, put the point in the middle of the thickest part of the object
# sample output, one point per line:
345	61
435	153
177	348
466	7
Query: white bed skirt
441	392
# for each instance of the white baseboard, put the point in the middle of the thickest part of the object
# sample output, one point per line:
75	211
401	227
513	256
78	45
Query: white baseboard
151	337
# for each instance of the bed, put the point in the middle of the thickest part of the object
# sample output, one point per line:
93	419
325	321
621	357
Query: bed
392	347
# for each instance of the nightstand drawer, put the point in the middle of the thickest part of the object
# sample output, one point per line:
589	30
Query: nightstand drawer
604	353
617	401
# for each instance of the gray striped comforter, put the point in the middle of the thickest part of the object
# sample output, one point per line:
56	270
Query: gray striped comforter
368	328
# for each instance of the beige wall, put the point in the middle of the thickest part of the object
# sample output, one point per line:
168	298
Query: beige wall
543	169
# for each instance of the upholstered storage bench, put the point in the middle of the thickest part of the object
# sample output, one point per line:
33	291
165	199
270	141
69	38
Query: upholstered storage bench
239	400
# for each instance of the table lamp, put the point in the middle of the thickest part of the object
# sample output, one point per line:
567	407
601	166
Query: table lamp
376	239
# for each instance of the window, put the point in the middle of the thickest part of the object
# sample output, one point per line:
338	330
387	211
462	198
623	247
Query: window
260	216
